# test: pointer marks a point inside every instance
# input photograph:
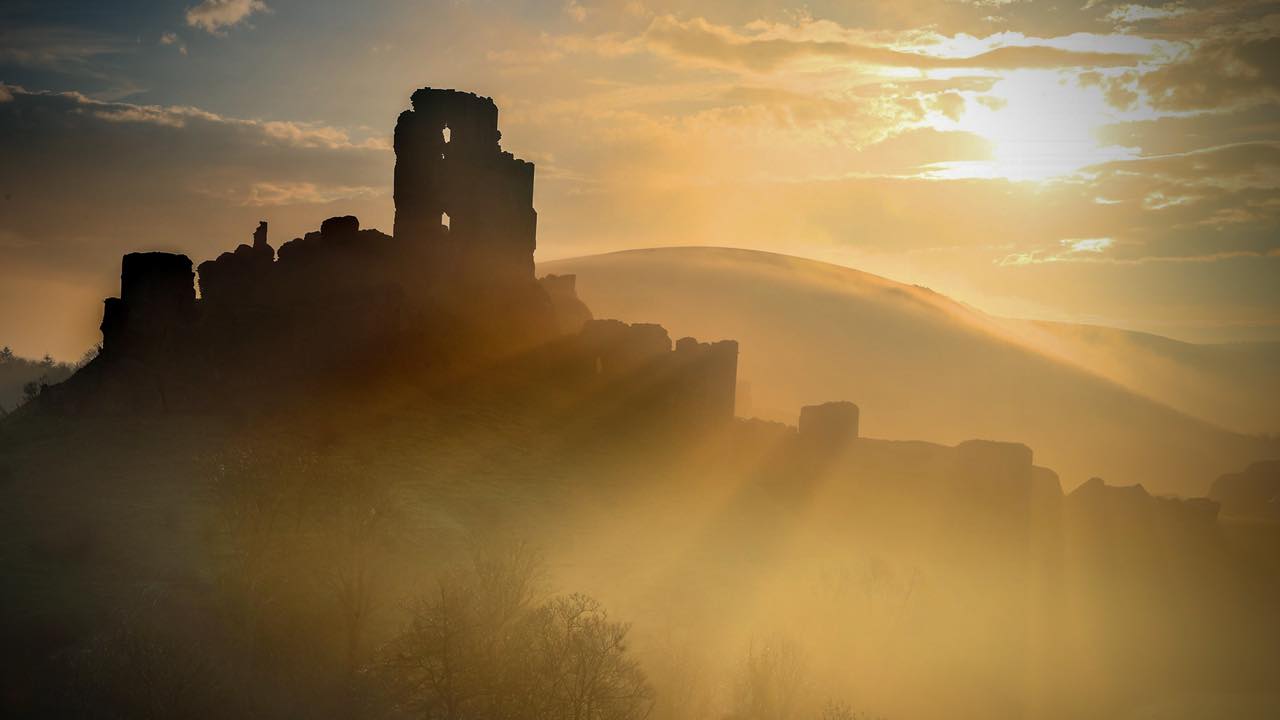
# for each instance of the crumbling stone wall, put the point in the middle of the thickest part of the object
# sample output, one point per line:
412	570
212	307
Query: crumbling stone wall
693	381
239	277
709	377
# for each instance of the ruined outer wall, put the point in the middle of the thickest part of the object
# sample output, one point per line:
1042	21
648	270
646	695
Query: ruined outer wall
691	382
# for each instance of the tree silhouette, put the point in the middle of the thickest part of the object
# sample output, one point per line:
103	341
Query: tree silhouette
479	647
771	682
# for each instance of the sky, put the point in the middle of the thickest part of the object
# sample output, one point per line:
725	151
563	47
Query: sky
1088	161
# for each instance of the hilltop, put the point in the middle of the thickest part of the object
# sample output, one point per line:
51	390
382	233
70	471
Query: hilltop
919	364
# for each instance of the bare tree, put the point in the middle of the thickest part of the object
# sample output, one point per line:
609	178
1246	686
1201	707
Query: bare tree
480	647
31	390
582	667
771	682
431	665
464	652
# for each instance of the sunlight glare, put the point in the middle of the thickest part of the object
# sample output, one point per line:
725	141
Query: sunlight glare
1043	125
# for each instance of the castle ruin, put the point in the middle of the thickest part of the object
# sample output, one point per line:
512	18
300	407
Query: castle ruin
453	286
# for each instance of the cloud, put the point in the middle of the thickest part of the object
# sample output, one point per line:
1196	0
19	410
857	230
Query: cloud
1233	71
6	95
1039	258
1131	14
141	114
58	48
1250	164
270	194
1093	245
950	104
172	39
94	179
296	134
215	16
575	11
88	56
761	51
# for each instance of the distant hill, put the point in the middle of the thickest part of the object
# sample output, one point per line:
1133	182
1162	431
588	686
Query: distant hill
17	372
919	364
1229	384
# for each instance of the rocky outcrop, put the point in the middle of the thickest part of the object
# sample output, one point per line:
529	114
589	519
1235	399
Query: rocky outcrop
1252	493
571	313
1109	507
829	425
238	277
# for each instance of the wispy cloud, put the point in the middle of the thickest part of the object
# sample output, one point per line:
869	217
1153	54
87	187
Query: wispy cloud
86	55
171	39
1238	70
270	194
576	11
1068	250
1131	14
210	164
215	16
292	133
1093	245
762	49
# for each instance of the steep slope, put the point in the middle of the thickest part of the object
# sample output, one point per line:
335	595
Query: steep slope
1228	384
920	365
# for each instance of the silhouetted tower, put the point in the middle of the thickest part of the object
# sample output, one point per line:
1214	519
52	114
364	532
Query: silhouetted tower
157	294
449	165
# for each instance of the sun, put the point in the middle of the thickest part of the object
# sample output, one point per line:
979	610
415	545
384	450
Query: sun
1042	125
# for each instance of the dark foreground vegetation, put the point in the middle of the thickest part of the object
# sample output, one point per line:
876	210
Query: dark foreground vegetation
22	379
452	553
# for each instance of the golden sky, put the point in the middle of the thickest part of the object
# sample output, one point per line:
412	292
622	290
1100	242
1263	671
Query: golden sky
1101	162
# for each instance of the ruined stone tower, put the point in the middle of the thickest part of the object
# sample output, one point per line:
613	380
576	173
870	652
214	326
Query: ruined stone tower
456	190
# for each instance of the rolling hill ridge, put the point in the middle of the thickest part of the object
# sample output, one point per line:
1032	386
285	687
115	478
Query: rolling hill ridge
919	364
